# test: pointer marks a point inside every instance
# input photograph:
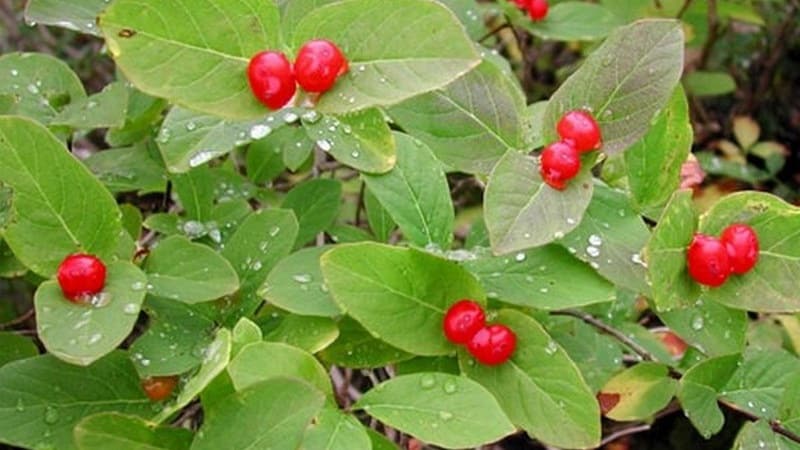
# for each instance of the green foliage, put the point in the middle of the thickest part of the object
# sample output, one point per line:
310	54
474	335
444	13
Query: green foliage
291	269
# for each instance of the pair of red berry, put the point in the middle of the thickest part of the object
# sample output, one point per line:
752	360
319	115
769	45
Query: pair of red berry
465	324
80	276
711	260
561	161
274	80
537	9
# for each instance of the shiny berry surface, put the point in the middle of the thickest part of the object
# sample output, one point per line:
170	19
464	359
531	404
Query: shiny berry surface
560	162
707	259
493	345
81	275
537	9
271	79
159	388
462	321
318	64
581	129
741	242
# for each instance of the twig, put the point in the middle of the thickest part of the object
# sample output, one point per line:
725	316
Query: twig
683	9
18	320
713	33
624	432
775	425
501	27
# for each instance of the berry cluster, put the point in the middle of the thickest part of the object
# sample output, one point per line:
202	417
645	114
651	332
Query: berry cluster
80	276
465	324
537	9
274	80
561	161
711	260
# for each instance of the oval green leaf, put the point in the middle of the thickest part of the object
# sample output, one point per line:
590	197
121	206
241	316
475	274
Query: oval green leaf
113	430
262	361
450	411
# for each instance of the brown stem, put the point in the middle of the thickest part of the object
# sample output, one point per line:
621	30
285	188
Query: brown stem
23	318
775	425
713	33
683	9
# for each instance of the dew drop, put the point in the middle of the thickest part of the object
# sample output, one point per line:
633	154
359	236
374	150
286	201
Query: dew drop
95	338
20	405
355	154
201	158
51	415
191	126
274	231
427	381
100	299
520	257
445	415
14	72
311	116
595	240
551	348
131	308
260	131
324	145
450	387
302	278
594	252
698	323
290	117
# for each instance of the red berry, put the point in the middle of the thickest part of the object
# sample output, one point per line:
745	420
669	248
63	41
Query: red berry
319	63
580	128
271	79
560	162
81	275
708	260
537	9
463	320
159	388
493	345
742	244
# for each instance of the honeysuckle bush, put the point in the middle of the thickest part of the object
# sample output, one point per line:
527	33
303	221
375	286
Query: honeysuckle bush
297	246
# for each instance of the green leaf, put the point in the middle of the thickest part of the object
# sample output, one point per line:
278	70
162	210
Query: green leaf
82	333
38	85
445	364
10	266
390	60
58	206
545	277
144	113
346	234
264	161
128	169
771	285
643	390
380	222
598	356
709	84
450	411
189	139
102	110
195	192
415	193
335	430
263	239
293	11
42	398
699	389
759	383
216	357
379	441
540	377
711	327
193	55
521	211
666	254
297	148
296	285
470	123
191	273
362	140
759	434
470	15
311	334
357	348
275	412
14	347
625	82
131	219
245	332
610	239
113	430
573	21
315	204
654	162
78	15
171	344
263	361
373	281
